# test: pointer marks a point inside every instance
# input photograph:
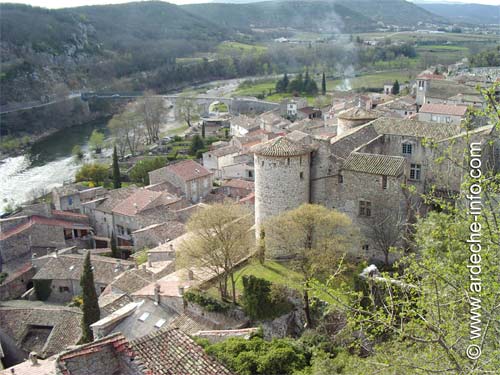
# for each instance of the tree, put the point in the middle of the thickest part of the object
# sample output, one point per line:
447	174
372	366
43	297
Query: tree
187	109
315	237
140	171
151	109
282	84
77	152
196	144
93	172
221	238
323	84
96	141
127	131
256	296
395	88
203	130
90	306
117	182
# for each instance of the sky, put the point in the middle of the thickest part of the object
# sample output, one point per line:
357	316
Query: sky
74	3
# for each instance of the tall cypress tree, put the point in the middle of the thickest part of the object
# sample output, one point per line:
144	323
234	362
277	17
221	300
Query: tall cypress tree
117	181
90	306
323	84
203	129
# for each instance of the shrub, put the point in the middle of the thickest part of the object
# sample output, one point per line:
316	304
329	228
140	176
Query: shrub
208	303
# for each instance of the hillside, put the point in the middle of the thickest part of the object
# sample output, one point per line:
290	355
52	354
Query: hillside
92	45
354	13
303	15
466	13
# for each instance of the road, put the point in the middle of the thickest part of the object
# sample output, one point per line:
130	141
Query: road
34	104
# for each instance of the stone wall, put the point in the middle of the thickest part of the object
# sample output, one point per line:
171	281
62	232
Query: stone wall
17	283
281	184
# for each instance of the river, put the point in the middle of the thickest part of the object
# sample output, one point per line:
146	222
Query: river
47	164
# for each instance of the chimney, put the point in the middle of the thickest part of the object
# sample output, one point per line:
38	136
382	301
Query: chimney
33	358
149	261
157	293
190	275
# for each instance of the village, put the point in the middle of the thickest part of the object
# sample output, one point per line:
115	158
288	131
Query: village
371	156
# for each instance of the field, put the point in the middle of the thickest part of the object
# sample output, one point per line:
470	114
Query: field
412	36
231	47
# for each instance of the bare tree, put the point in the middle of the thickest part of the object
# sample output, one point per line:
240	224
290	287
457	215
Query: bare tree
186	109
387	232
221	238
152	109
127	131
315	238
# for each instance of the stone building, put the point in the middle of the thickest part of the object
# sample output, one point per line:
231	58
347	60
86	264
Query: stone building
190	179
63	271
365	173
442	113
282	177
353	117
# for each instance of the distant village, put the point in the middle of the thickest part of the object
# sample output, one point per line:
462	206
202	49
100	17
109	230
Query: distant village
370	156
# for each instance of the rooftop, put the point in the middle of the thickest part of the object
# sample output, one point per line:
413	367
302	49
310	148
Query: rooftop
358	113
281	147
375	164
40	220
188	170
444	109
239	184
143	199
172	352
414	128
70	267
114	197
61	323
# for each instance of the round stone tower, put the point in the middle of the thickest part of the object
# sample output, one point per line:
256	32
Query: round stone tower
282	177
353	117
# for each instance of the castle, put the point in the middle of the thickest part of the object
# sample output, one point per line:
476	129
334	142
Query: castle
374	171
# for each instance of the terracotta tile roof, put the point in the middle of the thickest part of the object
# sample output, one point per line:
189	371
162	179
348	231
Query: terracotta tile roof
40	220
281	147
223	151
375	164
430	76
239	184
413	128
444	109
171	352
115	197
188	170
110	302
70	266
132	280
69	214
117	340
64	324
358	113
143	199
309	110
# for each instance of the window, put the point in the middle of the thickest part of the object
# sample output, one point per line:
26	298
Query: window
144	316
63	289
365	247
341	179
365	208
415	171
300	160
287	161
448	120
384	182
407	148
301	175
262	163
70	201
250	174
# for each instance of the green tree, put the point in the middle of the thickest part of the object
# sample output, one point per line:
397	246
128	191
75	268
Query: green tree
256	296
93	172
395	88
90	306
77	152
203	130
140	171
117	181
323	84
196	144
316	239
96	141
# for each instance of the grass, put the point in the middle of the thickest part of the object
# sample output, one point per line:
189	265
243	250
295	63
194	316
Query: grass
255	88
228	47
188	60
176	131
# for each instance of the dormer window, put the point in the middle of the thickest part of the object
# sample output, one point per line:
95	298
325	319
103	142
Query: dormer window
407	148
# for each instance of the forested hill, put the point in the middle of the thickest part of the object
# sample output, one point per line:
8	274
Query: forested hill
303	15
466	13
352	13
